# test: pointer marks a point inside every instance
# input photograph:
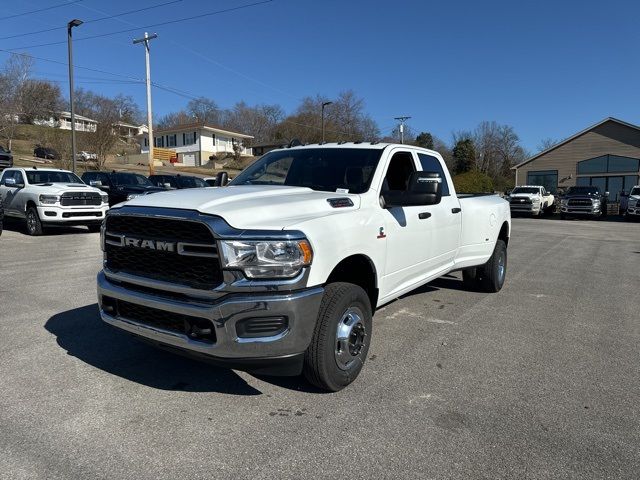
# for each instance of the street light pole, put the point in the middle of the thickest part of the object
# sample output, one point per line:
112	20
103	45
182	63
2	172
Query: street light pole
324	104
145	40
402	120
73	23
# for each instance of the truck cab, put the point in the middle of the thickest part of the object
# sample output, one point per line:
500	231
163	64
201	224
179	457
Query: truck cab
120	186
633	204
531	199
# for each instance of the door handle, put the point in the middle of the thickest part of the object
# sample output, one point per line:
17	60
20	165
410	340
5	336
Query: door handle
424	215
456	210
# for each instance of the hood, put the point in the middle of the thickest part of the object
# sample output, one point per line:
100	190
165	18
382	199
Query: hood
60	188
251	206
582	195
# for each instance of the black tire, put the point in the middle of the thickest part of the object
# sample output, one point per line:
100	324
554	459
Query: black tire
470	278
491	275
1	215
326	365
93	228
34	225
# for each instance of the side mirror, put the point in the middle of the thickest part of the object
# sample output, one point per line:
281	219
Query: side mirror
165	185
424	188
10	182
606	194
222	178
95	183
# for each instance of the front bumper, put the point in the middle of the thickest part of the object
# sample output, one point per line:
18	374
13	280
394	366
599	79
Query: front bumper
524	208
579	210
52	214
633	210
299	307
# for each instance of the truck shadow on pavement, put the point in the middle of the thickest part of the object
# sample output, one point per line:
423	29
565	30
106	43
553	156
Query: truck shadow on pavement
83	335
13	225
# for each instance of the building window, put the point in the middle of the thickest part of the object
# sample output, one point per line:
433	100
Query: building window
146	142
547	178
171	140
608	164
189	138
158	142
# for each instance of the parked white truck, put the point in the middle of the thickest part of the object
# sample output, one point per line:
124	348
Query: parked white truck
281	271
633	203
47	196
531	199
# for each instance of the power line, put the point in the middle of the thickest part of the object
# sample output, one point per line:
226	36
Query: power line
51	7
130	12
168	22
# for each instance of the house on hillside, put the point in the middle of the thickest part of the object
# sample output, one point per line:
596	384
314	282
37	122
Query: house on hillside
262	148
62	120
606	155
129	132
196	142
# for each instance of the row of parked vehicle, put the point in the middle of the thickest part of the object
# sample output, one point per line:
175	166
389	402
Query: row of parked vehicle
578	201
44	197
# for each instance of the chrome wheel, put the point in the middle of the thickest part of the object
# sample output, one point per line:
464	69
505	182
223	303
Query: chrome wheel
32	222
350	338
502	267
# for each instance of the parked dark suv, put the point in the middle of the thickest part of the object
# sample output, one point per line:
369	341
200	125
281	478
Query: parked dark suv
171	182
46	153
6	159
120	186
584	201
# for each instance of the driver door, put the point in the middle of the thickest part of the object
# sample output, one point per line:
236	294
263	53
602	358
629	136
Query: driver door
408	234
11	193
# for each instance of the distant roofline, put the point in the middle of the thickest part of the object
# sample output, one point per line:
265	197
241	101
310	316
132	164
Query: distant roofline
204	126
573	137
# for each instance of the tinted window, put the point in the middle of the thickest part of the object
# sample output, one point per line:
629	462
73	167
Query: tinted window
582	190
191	182
622	164
432	164
132	179
6	174
635	191
400	169
530	190
546	178
325	169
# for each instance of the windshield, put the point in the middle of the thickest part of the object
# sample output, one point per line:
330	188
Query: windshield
525	190
582	190
324	169
51	176
132	179
635	191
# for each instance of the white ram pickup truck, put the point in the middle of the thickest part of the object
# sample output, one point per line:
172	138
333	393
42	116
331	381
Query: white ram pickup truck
45	197
281	271
531	199
633	203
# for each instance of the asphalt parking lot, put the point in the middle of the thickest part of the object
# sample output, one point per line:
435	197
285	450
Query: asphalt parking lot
539	381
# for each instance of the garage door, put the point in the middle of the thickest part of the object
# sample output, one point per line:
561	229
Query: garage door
189	159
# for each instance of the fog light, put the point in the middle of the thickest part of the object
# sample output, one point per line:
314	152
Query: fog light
261	327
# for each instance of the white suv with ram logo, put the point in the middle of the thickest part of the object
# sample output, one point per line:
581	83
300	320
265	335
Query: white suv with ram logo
45	197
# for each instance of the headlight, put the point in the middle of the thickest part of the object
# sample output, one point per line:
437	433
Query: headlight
49	199
267	259
105	198
132	195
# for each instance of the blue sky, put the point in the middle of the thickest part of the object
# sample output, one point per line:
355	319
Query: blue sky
548	68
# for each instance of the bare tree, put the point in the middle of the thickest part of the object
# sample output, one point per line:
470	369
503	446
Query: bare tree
204	110
15	74
102	141
547	143
39	100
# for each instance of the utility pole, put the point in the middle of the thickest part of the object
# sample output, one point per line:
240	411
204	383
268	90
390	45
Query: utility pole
145	40
73	23
402	120
324	104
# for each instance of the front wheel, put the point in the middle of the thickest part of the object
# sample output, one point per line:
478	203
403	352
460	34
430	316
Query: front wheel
341	337
93	228
34	225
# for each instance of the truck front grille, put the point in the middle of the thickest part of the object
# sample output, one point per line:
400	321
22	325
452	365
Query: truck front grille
80	198
196	328
520	201
579	202
166	264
